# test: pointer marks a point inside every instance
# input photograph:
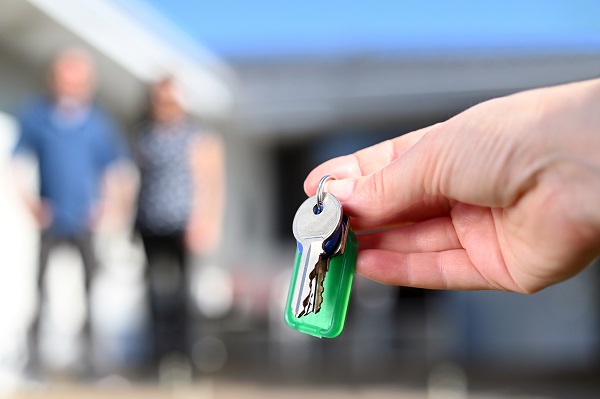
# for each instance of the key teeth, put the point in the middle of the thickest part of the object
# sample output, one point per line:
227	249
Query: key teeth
312	303
307	305
323	267
319	302
320	279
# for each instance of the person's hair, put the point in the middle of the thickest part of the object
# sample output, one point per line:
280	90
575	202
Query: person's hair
170	81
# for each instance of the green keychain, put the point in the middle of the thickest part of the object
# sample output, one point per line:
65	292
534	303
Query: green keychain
323	268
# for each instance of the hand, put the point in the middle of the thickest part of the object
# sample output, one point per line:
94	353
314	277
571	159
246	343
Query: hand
201	239
41	211
505	195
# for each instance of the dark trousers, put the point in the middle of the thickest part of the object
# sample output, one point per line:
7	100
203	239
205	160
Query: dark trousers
167	291
48	241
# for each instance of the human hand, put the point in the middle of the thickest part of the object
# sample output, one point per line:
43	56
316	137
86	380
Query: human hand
41	210
202	238
505	195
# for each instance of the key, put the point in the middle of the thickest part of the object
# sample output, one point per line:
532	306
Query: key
314	226
316	285
337	245
319	292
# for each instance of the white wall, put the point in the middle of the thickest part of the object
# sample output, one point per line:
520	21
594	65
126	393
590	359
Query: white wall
18	254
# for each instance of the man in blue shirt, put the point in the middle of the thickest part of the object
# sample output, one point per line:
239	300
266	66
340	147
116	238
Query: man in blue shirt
74	142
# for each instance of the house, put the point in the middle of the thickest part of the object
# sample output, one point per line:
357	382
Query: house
281	117
131	48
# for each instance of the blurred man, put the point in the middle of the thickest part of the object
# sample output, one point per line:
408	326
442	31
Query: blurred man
74	142
179	209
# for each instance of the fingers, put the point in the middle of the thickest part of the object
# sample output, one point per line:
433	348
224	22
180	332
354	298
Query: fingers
448	270
430	207
364	162
375	200
379	183
430	236
425	255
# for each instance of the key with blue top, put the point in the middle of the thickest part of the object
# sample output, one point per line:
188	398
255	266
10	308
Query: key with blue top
323	268
315	228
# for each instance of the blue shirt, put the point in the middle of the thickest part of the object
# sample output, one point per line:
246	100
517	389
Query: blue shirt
72	153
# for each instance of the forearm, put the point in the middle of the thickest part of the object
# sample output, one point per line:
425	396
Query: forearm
22	177
117	197
207	166
209	196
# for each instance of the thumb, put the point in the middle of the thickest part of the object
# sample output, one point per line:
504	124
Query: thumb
384	197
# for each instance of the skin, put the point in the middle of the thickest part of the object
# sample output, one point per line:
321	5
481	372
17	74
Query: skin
165	104
503	196
71	78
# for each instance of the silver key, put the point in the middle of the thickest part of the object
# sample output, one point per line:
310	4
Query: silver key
317	288
317	278
312	230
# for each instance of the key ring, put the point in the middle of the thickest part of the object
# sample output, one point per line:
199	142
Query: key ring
321	189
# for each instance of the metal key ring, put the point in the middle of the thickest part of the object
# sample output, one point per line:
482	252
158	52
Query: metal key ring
321	189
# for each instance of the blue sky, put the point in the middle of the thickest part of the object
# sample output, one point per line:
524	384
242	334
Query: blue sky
257	28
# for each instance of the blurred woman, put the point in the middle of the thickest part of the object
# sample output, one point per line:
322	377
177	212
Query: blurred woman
179	209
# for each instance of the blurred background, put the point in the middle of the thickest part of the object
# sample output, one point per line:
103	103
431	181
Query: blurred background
284	86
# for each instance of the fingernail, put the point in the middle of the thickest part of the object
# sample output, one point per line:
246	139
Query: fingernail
342	189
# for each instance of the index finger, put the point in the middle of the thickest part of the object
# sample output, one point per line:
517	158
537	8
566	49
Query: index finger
366	161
